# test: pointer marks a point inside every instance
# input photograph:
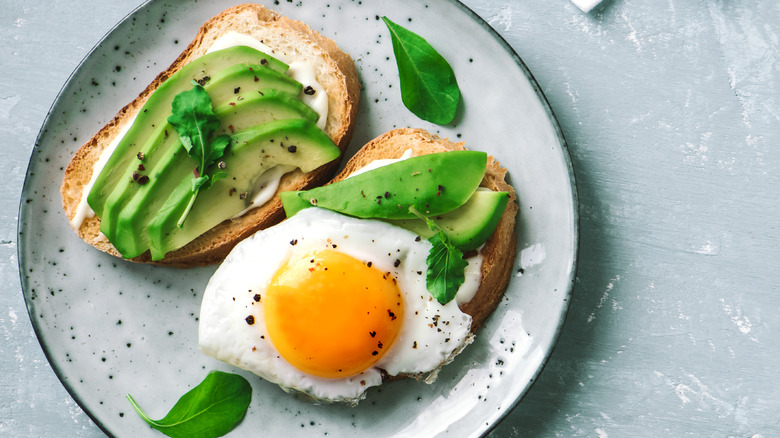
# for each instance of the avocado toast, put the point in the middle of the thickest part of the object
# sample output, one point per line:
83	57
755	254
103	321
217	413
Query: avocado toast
144	194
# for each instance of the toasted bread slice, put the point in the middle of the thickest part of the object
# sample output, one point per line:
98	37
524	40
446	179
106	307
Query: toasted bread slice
334	70
498	252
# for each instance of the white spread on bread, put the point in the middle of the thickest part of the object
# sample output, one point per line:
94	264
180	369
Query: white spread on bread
302	72
268	182
83	210
265	186
382	162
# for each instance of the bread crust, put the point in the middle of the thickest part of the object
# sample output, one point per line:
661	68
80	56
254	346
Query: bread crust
499	251
334	69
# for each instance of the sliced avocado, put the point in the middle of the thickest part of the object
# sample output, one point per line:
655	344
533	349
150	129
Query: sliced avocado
294	143
239	81
131	205
468	226
156	109
224	89
431	184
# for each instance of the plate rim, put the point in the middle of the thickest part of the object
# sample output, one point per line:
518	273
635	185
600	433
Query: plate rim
572	264
564	150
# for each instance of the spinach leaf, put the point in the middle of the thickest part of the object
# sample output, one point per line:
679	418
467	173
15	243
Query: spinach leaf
211	409
195	122
428	85
446	268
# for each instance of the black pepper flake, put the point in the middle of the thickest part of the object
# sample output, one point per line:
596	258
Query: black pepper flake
417	239
372	333
140	156
242	196
141	167
397	263
236	90
387	195
202	81
309	91
250	319
374	353
222	165
391	314
292	149
414	345
379	344
257	297
294	242
369	264
263	61
419	272
256	79
231	191
140	179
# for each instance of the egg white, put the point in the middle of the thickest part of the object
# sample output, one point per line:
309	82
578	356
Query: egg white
430	336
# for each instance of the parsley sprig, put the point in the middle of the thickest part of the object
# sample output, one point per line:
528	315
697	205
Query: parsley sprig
195	123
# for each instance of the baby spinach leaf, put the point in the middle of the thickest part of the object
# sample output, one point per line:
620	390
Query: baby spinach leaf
446	269
428	85
211	409
195	122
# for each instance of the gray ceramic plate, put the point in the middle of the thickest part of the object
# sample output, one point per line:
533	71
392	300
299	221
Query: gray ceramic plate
111	327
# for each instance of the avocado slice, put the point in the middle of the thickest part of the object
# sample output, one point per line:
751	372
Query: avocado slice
156	109
237	82
131	205
432	184
292	143
224	89
468	226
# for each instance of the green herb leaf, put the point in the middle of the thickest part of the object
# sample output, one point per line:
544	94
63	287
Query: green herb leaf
428	85
195	122
446	268
211	409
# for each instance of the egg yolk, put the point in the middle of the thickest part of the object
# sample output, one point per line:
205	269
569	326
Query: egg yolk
331	315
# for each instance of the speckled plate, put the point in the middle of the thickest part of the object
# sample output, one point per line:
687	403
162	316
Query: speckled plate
111	327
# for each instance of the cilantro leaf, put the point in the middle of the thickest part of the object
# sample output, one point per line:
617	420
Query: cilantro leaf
446	268
195	122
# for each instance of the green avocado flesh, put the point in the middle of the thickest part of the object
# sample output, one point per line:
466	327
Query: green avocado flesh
151	117
256	105
468	226
432	184
467	214
295	143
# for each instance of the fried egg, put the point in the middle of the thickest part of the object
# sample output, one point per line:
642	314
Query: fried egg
327	304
